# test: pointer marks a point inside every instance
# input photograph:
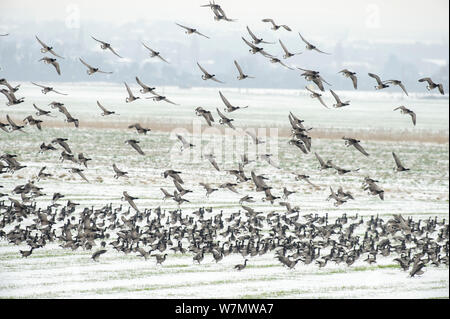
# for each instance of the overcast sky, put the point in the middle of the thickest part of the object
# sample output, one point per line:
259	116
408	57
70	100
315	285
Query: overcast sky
380	20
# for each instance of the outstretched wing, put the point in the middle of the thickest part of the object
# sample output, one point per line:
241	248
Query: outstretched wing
304	40
238	67
42	43
249	44
225	101
376	77
360	148
87	65
335	96
98	40
112	50
203	70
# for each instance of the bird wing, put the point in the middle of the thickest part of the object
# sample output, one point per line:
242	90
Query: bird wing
441	88
429	80
87	65
112	50
321	51
249	44
42	86
128	89
187	28
54	53
286	27
59	92
182	139
413	117
100	71
304	39
137	148
168	101
82	176
284	47
203	70
56	65
335	96
251	34
141	84
322	163
11	122
42	43
214	79
225	101
98	40
397	160
322	102
269	20
360	148
100	106
376	77
221	115
201	34
355	81
239	68
162	58
214	163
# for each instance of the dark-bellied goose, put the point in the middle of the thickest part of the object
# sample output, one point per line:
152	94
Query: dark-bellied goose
95	256
241	75
397	82
199	111
69	117
300	144
380	84
145	88
91	70
31	121
255	138
12	99
156	97
339	103
41	111
207	76
225	120
275	26
269	196
78	171
184	144
354	142
139	128
417	269
276	60
14	126
174	174
9	86
431	85
45	48
191	30
211	158
106	46
229	186
240	267
130	199
160	258
105	112
315	77
26	253
130	97
351	75
316	95
63	143
134	144
255	39
178	199
117	172
46	89
180	188
230	108
309	46
287	54
42	174
398	163
208	188
254	49
322	163
154	53
373	188
52	62
83	159
404	110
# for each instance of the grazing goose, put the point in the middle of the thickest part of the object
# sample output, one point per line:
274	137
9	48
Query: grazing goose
31	121
431	85
241	75
339	103
352	76
398	163
45	48
158	97
211	158
287	54
207	76
185	144
309	46
106	46
52	62
241	266
208	188
139	128
154	53
97	254
46	89
199	111
397	82
404	110
275	26
134	144
118	173
91	70
26	253
225	120
42	112
9	86
230	108
316	95
130	200
12	100
380	84
355	143
254	49
322	163
78	171
255	39
191	30
130	97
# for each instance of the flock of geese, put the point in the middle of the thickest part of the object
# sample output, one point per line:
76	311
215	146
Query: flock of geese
155	233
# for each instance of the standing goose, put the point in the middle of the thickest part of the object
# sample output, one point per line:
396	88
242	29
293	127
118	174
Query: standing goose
397	82
352	76
400	167
339	103
241	75
53	62
309	46
26	253
225	120
105	111
404	110
207	76
275	26
316	95
46	89
118	172
45	48
254	49
431	85
230	108
145	88
380	84
154	53
255	39
191	30
355	143
130	97
241	266
134	144
106	46
287	54
91	70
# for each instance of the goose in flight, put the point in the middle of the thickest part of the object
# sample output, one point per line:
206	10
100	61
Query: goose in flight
322	163
225	120
154	53
31	121
158	97
207	115
185	144
78	171
191	30
105	112
208	188
106	46
167	195
219	14
275	26
267	158
380	84
287	54
397	82
398	163
45	48
41	111
230	108
118	173
431	85
69	117
139	128
255	138
46	89
303	177
13	125
212	159
12	100
174	174
276	60
91	70
339	103
63	143
52	62
352	76
130	97
316	95
309	46
354	142
134	144
145	88
373	188
341	171
241	75
254	49
10	88
255	39
130	199
207	76
404	110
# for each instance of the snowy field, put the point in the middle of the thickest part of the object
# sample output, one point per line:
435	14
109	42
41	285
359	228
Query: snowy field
54	272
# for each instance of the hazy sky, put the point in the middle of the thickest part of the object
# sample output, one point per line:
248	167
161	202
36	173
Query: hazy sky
380	20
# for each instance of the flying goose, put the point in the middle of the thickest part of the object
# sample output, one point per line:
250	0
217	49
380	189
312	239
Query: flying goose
352	76
255	39
105	111
31	121
63	143
43	148
341	171
130	199
154	53
276	60
145	88
139	128
167	195
229	186
431	85
300	144
52	62
185	144
158	97
225	120
211	158
14	126
397	82
303	177
381	85
316	95
207	76
46	89
400	167
106	46
322	163
286	193
41	173
177	198
118	172
191	30
373	188
339	103
69	117
230	108
355	143
42	112
219	14
254	49
404	110
275	26
95	256
9	86
83	160
255	139
315	77
199	111
134	144
78	171
208	188
180	188
309	46
241	75
246	198
287	54
91	70
267	158
45	48
12	99
130	97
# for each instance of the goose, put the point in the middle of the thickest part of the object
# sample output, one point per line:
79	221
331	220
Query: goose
78	171
174	174
303	177
177	198
431	85
95	256
130	97
160	258
130	199
180	188
380	84
105	111
41	111
404	110
339	103
254	49
69	117
118	172
398	163
139	128
255	139
315	77
417	269
230	108
208	188
45	48
351	75
225	120
219	14
12	100
341	171
91	70
287	54
105	46
185	144
26	253
287	193
246	198
267	158
300	144
275	26
167	195
269	196
355	143
199	111
13	125
191	30
134	144
145	88
212	160
154	53
322	163
10	88
316	95
83	160
255	39
373	188
158	97
229	186
31	121
397	82
276	60
241	75
207	76
53	62
46	89
63	143
41	173
309	46
341	193
240	267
